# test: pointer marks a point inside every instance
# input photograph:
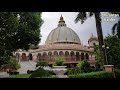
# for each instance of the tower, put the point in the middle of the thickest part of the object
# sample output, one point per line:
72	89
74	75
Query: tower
93	40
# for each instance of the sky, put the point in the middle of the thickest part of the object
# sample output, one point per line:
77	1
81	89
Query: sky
84	31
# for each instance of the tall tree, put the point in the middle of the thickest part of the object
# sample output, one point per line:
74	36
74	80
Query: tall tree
113	53
18	30
82	16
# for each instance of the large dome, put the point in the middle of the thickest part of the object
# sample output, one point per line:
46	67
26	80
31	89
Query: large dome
62	34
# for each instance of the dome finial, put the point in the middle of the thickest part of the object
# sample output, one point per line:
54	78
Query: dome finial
61	22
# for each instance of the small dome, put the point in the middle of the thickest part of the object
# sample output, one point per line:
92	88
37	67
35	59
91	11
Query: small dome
62	34
92	38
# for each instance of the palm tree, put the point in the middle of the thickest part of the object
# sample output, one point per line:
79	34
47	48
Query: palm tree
82	16
116	29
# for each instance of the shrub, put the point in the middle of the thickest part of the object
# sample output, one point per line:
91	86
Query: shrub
75	70
117	73
84	66
30	71
42	64
13	73
40	72
100	74
59	61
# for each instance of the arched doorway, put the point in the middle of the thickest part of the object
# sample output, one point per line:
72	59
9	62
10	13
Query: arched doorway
44	56
24	57
50	56
39	57
30	57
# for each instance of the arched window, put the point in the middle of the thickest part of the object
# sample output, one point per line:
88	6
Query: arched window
55	53
71	53
50	55
61	53
77	56
87	56
82	56
66	53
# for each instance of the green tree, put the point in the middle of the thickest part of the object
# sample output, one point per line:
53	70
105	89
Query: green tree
18	30
82	16
113	54
97	55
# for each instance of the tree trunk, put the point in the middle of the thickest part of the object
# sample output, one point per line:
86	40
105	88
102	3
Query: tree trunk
100	35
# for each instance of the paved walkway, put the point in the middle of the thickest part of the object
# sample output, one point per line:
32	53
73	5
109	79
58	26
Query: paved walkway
62	76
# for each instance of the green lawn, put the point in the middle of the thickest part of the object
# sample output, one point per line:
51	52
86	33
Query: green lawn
20	76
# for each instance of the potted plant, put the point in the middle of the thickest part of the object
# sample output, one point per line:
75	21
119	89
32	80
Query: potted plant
58	67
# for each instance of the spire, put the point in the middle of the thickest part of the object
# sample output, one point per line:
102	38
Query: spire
61	21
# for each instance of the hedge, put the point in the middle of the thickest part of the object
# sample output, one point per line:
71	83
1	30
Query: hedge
100	74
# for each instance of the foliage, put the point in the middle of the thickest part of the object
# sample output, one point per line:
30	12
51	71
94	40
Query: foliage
84	66
59	61
82	16
113	53
100	74
13	62
13	73
18	30
30	71
41	64
4	57
117	73
40	72
75	70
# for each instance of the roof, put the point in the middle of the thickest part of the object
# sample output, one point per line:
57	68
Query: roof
76	47
62	34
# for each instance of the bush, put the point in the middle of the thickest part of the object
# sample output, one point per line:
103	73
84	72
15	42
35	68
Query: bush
75	70
42	64
117	73
100	74
13	73
59	61
40	72
84	66
30	71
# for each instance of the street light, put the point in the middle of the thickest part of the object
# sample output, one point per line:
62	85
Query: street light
105	48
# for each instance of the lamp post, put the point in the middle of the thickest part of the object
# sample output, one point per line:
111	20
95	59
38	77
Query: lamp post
105	50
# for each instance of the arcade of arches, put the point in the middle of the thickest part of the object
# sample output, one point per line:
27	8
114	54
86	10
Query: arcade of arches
49	56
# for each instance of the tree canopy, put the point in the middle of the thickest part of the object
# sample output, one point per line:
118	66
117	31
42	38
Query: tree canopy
18	30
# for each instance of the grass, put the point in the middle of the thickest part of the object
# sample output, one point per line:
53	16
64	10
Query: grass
21	76
28	75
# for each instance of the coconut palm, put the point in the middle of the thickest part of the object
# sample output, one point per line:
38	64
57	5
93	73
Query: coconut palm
116	29
82	16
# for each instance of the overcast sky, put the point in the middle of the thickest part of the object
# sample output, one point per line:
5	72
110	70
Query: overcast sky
84	30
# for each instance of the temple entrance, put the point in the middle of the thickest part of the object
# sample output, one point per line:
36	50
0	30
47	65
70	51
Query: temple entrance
24	57
30	57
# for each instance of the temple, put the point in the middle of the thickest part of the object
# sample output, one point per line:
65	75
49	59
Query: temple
61	41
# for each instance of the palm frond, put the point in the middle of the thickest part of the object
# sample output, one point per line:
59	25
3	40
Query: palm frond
82	16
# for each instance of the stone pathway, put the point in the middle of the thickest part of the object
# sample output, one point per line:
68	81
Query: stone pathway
62	76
